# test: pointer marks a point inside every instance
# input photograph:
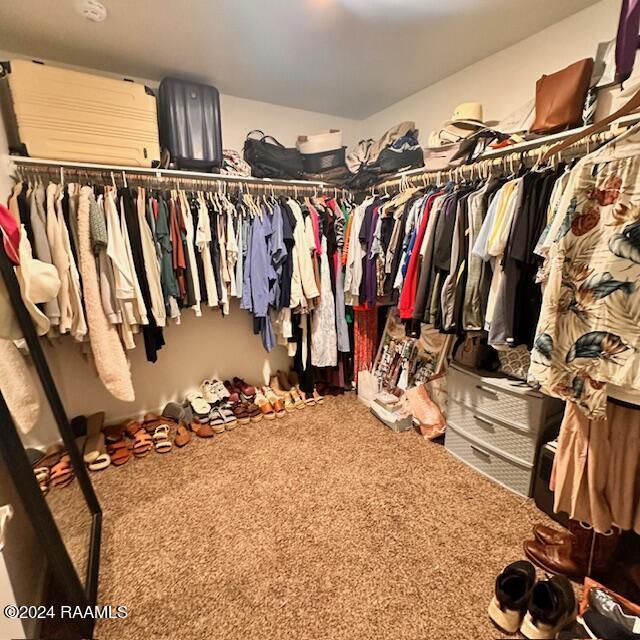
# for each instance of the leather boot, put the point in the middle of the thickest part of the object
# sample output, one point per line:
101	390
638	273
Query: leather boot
549	535
604	548
570	558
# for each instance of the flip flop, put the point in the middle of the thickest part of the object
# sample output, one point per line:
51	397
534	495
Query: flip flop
182	436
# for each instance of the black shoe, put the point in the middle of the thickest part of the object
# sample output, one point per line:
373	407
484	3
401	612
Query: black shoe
511	596
552	607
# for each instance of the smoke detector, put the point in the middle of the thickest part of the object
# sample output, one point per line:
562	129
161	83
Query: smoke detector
91	10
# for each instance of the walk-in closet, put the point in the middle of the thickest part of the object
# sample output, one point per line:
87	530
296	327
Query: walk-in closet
319	319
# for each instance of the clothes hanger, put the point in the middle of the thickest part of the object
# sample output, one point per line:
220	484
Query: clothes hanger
631	105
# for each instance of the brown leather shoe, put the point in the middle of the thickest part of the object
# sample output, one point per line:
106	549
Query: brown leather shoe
549	535
554	558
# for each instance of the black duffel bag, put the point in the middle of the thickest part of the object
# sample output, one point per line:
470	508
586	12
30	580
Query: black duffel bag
270	159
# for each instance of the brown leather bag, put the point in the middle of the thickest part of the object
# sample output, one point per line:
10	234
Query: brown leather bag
560	97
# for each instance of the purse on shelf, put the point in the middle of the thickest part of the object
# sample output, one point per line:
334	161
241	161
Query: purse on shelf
268	158
560	97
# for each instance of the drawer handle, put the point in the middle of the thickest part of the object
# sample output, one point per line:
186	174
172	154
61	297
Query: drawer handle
487	390
485	423
484	454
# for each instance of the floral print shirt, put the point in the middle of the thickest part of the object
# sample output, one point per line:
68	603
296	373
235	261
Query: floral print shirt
588	334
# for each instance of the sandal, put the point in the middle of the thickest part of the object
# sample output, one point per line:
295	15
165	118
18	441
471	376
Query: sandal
62	472
265	406
308	400
289	404
298	402
200	407
317	397
241	412
114	432
182	435
229	417
161	439
142	444
275	402
255	415
42	475
202	430
132	427
119	452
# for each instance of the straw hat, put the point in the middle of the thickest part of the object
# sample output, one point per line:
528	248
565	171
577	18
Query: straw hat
464	122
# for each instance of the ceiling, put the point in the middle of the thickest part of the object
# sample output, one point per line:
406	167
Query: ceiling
344	57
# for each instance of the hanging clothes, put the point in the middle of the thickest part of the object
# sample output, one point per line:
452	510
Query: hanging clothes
587	334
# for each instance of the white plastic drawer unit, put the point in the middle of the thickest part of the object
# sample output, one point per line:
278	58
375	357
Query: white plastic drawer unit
494	424
517	442
510	401
509	473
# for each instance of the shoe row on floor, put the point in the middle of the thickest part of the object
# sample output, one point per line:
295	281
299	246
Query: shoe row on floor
221	404
547	609
215	408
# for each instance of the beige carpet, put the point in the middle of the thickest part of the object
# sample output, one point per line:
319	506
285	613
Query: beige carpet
322	525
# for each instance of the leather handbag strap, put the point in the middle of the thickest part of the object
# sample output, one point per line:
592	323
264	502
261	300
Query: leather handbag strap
631	105
255	131
279	144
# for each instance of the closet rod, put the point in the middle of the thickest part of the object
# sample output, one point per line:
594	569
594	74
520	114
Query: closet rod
527	146
159	173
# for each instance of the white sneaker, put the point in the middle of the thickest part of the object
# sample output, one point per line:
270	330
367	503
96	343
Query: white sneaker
208	391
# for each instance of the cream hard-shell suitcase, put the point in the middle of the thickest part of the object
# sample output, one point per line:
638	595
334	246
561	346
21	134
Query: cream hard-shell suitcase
67	115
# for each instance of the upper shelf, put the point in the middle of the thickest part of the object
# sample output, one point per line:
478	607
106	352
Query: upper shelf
159	173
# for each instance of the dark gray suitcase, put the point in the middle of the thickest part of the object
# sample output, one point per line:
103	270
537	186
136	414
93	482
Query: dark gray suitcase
189	118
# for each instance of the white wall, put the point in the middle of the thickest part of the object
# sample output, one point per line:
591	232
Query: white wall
505	80
199	347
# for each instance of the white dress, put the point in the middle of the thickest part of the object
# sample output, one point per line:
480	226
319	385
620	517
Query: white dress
324	344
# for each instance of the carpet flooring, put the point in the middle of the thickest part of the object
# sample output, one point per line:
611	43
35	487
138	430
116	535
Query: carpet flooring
323	524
